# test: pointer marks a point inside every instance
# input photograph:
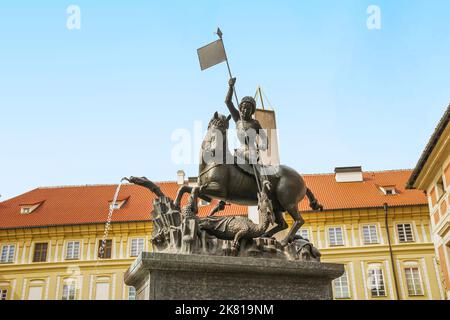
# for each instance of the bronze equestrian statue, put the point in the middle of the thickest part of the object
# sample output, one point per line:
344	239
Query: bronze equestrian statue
228	182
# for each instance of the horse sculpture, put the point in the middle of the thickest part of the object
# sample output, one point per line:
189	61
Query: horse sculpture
220	179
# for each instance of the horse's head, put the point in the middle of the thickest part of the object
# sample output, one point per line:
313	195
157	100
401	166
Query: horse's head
219	122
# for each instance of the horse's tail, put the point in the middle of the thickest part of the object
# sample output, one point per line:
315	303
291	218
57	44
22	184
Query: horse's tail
313	203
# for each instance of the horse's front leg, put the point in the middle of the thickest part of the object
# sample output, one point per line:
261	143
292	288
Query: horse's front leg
184	189
219	207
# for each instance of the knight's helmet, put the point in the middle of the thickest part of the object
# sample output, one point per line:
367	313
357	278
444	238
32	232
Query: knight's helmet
251	101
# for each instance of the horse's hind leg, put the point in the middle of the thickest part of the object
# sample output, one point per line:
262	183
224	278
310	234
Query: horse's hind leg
298	222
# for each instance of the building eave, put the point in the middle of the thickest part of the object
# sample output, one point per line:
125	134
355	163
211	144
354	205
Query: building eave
442	125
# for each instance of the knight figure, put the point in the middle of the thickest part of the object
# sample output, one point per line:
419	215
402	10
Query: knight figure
250	134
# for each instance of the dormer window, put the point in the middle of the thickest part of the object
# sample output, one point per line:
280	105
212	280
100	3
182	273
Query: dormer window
202	203
29	208
114	206
118	205
348	174
388	190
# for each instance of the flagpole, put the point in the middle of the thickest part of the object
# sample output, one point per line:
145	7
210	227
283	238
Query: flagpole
220	34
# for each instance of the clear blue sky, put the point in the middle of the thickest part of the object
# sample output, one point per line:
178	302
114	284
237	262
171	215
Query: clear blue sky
90	106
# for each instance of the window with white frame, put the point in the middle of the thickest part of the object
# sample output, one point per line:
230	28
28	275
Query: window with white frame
7	254
36	290
114	206
376	282
131	293
440	187
370	234
405	232
3	294
413	281
72	250
304	233
341	289
69	291
388	190
137	245
102	290
335	236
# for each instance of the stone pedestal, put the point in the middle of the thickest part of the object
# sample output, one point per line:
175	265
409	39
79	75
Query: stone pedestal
163	276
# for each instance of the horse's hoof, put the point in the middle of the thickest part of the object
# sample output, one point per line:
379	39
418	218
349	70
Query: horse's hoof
316	206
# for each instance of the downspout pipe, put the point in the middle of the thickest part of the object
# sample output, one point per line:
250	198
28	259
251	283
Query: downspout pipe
386	207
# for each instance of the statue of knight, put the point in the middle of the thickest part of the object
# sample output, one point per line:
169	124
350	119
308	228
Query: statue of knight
248	131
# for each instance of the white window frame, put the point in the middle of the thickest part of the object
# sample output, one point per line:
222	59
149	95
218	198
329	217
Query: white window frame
375	283
10	254
137	240
202	203
397	225
25	210
371	236
37	283
336	244
114	206
71	292
339	284
131	293
306	230
70	255
417	286
105	280
3	294
440	188
97	247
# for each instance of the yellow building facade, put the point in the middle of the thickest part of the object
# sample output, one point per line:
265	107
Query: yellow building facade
362	245
63	274
46	254
432	175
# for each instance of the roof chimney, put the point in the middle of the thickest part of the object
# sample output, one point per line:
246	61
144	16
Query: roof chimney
180	174
348	174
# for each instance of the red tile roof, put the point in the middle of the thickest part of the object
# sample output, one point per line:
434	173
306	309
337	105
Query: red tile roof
90	204
366	194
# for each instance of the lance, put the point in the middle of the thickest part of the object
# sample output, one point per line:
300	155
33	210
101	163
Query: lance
212	54
220	35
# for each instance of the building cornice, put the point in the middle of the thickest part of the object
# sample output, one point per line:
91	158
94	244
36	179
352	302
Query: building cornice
435	137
